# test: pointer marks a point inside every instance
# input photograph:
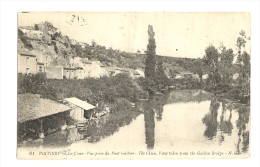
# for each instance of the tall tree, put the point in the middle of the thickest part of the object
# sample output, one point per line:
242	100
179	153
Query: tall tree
150	54
226	59
211	59
243	59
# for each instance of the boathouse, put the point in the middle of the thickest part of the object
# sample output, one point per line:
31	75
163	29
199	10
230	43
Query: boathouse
80	110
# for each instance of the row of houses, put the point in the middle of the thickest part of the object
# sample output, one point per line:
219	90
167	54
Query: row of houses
76	68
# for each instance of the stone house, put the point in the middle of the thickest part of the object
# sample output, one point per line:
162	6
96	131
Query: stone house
26	62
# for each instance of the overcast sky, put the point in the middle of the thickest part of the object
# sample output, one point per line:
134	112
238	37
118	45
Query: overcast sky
176	34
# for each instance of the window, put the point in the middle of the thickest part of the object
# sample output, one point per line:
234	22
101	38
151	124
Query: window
40	68
27	60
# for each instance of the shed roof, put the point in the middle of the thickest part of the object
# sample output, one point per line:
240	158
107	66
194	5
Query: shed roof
79	103
31	107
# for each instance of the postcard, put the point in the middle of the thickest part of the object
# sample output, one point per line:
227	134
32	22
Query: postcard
133	85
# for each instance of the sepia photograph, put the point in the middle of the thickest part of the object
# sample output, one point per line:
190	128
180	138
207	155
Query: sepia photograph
133	85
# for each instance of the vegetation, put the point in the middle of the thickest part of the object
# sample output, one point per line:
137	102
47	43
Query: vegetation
150	55
108	90
221	75
25	40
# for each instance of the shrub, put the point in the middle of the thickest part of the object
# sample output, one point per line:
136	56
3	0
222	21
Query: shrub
121	104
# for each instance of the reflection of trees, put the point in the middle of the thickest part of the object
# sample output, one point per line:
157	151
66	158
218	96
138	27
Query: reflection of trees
225	125
242	125
210	119
108	125
149	125
158	107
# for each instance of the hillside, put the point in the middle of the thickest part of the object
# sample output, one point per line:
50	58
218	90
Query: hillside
52	42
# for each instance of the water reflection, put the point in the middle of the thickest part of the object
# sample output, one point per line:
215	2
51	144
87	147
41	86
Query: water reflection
149	122
210	119
194	116
225	125
243	129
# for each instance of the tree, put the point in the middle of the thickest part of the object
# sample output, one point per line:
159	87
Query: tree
24	39
36	27
211	59
243	59
56	35
150	54
161	79
93	43
172	73
226	59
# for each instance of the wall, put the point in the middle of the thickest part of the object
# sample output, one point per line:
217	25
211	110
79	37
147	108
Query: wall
69	73
24	63
54	72
40	66
95	71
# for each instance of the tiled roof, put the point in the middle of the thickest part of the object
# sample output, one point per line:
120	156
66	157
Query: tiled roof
31	107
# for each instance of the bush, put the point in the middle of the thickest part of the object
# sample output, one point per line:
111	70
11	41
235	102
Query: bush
121	104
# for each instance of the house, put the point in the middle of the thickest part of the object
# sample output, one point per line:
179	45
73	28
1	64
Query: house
70	72
205	76
235	76
33	34
179	76
117	70
86	65
26	62
98	70
82	44
140	72
134	74
73	41
43	59
79	72
31	107
55	72
81	110
40	67
111	71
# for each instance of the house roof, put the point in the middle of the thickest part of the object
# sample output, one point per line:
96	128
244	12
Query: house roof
85	61
80	103
78	67
31	107
25	53
40	63
100	64
135	72
69	68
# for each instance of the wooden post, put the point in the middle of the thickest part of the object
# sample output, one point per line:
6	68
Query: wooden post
41	135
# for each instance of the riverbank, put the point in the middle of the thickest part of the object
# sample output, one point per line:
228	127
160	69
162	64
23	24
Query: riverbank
97	129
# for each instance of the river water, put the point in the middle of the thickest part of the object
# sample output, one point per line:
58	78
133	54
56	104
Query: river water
180	122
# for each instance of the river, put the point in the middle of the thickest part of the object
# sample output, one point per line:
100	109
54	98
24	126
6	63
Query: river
180	122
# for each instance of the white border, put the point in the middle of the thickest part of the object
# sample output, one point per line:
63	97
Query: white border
8	66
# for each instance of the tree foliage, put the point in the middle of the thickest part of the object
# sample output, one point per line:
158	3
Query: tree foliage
150	54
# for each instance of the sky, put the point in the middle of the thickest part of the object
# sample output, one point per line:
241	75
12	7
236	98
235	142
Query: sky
176	34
